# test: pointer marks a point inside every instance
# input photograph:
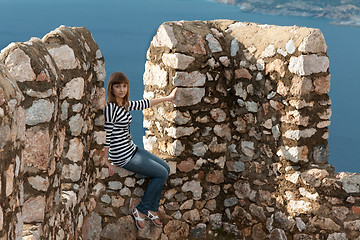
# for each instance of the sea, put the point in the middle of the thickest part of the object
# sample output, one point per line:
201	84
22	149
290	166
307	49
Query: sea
124	29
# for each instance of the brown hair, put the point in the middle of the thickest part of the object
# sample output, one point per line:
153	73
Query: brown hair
116	78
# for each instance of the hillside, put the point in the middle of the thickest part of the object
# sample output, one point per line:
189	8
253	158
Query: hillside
345	12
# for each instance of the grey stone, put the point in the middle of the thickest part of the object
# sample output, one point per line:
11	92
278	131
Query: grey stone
337	236
76	124
214	44
41	111
234	47
64	57
124	228
321	153
230	202
19	66
189	96
73	89
277	234
192	79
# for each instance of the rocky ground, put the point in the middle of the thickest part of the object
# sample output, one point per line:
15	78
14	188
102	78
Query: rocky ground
346	12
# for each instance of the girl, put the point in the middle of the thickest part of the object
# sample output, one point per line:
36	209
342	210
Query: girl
122	151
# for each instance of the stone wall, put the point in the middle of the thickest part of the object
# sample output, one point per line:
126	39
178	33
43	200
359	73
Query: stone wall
246	141
51	128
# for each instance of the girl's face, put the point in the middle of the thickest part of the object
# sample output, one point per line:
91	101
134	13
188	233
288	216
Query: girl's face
120	90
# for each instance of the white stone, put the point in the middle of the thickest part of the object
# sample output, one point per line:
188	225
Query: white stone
71	172
300	224
276	131
325	115
175	148
99	187
234	47
239	91
290	46
125	192
351	182
106	199
337	236
179	131
37	94
39	183
308	64
323	124
149	142
194	187
155	75
269	51
251	106
177	60
214	44
164	37
199	149
248	148
76	124
260	64
64	57
311	196
294	154
129	182
70	198
73	89
51	65
100	137
19	67
267	124
192	79
298	207
297	134
76	150
225	61
99	68
98	54
115	185
41	111
282	52
313	43
64	110
292	177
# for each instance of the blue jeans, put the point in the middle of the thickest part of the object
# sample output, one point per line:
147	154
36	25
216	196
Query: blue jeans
149	165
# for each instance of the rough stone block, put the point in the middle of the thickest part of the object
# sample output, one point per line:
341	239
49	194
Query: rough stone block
177	60
155	75
308	64
189	96
193	79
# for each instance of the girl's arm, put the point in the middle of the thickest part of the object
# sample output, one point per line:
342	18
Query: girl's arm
169	98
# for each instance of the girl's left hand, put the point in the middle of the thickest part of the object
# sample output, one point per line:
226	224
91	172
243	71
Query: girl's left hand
172	95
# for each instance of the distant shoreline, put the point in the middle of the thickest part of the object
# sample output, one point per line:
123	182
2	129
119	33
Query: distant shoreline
341	15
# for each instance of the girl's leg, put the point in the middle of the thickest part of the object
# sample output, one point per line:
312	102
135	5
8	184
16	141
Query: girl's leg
151	166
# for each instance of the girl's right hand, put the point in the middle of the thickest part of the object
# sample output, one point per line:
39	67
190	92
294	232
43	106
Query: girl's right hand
111	168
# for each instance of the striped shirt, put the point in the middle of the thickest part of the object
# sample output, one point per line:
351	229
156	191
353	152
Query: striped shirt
118	138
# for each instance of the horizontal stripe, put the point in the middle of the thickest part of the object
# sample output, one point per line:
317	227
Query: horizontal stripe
118	138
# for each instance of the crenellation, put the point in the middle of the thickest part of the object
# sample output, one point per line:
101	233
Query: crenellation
246	140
